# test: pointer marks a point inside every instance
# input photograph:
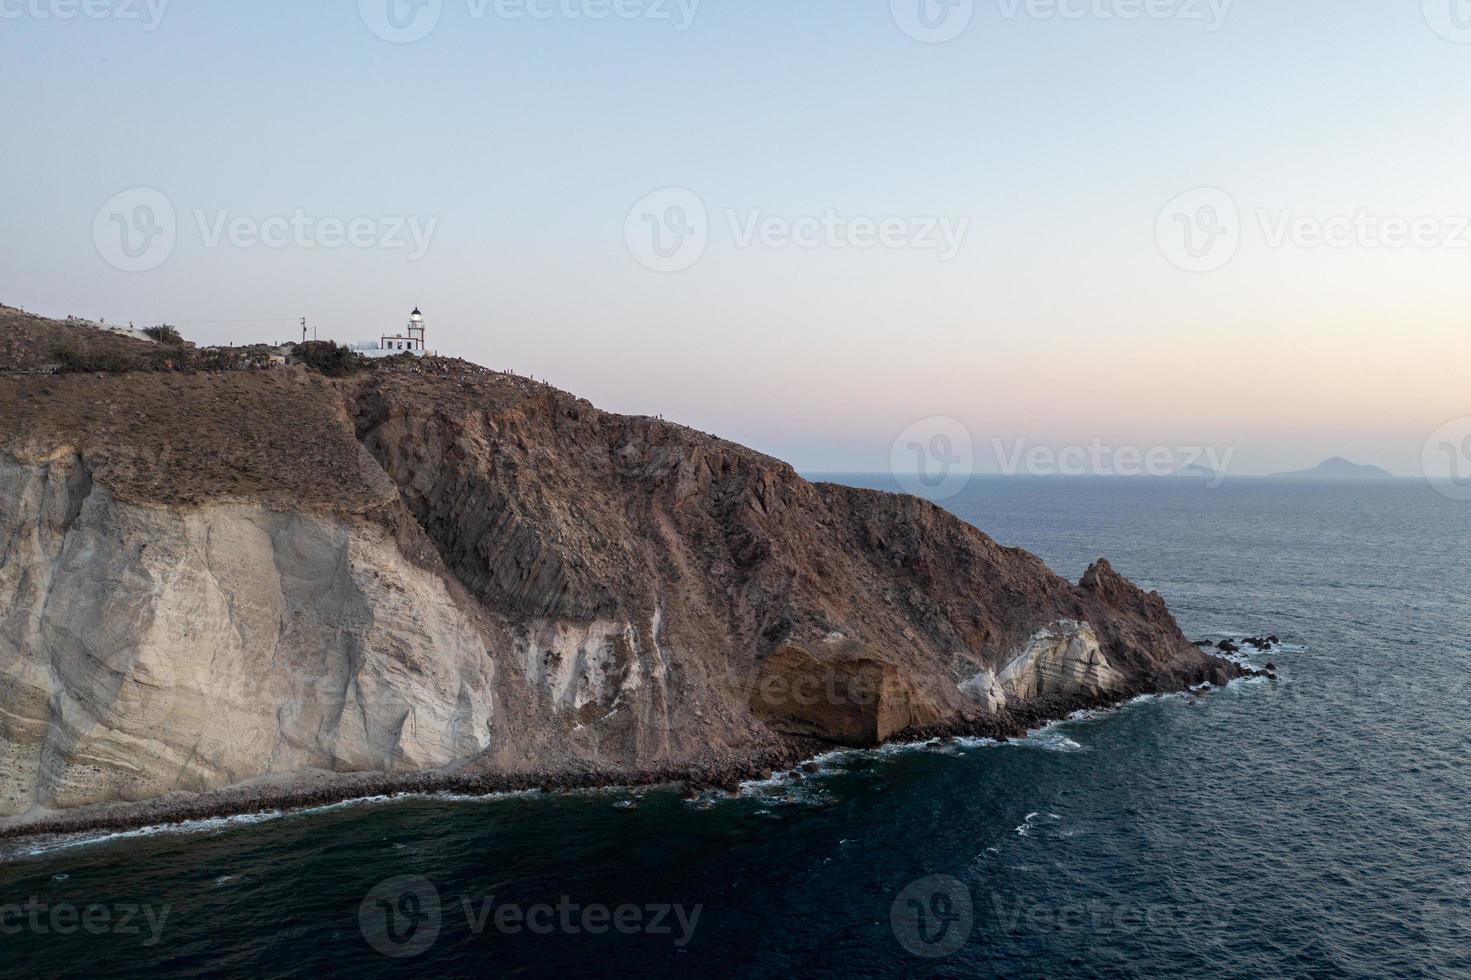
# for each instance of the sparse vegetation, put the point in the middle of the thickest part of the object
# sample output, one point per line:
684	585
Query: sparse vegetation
103	362
30	344
182	360
326	357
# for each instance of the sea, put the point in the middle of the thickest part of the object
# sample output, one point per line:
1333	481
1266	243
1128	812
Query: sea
1316	826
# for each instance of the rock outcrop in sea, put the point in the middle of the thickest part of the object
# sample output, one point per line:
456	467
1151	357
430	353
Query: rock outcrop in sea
430	574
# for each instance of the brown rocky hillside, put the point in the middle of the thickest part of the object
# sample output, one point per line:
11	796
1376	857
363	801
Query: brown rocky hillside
28	341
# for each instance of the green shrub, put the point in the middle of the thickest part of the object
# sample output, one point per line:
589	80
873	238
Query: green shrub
165	334
328	358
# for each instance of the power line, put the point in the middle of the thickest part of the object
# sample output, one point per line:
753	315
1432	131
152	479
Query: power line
259	319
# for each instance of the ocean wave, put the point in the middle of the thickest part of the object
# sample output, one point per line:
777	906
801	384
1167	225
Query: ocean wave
1051	740
1034	821
61	842
50	844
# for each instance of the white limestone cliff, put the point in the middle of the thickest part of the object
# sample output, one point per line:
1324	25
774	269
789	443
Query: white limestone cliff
1062	659
146	650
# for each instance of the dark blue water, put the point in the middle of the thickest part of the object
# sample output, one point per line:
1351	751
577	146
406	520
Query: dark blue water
1315	827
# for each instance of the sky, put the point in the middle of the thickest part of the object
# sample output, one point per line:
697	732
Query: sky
1013	234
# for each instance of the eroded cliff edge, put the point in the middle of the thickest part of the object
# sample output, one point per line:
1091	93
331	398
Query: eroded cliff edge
431	574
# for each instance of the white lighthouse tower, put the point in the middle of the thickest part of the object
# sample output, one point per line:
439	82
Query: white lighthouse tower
416	330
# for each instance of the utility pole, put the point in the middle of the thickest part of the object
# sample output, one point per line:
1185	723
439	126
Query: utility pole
303	330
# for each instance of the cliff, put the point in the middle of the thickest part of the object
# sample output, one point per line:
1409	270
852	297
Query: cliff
434	574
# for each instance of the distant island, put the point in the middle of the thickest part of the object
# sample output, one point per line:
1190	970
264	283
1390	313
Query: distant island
1339	468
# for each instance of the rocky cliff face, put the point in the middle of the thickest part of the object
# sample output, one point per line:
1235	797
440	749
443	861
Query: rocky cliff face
209	581
769	602
146	650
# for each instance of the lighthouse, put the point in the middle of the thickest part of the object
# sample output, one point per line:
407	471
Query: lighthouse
410	341
416	330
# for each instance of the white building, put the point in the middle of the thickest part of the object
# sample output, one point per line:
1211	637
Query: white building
411	341
128	331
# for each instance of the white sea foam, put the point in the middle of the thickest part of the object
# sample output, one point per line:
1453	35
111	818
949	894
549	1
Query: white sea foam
1035	820
209	826
1050	739
216	825
781	790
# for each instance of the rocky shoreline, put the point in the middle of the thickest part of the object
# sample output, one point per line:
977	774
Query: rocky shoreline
789	754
